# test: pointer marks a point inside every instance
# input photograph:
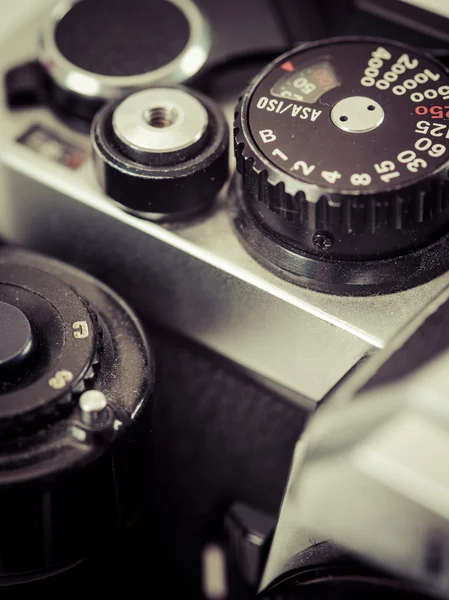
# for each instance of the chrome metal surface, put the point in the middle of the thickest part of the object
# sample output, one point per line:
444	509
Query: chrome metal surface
194	276
357	114
361	458
290	536
160	120
79	81
93	405
436	6
380	464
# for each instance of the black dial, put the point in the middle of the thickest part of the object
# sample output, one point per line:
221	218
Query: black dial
344	146
349	131
49	348
76	375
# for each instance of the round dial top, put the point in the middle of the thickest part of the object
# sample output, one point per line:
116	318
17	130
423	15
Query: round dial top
161	120
110	25
102	49
162	153
49	346
353	116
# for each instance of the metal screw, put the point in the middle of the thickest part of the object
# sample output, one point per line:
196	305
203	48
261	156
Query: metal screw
322	240
94	407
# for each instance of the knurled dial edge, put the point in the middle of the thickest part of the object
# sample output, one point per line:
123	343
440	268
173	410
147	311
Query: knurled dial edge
310	206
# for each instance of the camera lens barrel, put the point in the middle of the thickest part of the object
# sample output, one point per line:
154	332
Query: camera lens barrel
76	377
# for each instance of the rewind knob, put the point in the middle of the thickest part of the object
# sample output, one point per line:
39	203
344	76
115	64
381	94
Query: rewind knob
50	346
76	376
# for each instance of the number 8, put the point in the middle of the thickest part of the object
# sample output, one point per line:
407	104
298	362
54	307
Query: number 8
360	179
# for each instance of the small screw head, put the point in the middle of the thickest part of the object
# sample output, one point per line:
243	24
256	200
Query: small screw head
94	407
322	240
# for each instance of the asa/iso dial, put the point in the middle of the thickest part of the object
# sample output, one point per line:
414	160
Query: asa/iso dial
343	148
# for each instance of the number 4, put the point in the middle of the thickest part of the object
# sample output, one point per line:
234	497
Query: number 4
382	53
330	176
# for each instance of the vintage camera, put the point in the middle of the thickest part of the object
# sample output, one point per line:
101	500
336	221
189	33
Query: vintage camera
264	290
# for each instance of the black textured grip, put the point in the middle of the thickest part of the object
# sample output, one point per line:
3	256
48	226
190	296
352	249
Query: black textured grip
218	437
121	38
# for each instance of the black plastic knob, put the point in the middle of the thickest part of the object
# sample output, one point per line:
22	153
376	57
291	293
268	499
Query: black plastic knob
74	417
161	153
16	336
343	150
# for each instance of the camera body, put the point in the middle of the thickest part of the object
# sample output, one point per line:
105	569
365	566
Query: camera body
245	354
203	283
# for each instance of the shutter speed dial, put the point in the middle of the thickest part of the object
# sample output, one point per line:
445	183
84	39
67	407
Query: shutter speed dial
343	148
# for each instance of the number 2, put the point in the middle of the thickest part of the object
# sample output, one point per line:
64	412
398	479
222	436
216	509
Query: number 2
306	169
409	64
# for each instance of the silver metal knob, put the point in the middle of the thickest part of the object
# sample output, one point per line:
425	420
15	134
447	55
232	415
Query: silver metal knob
94	407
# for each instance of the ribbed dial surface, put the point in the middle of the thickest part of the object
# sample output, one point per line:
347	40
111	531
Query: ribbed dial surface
344	213
348	137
